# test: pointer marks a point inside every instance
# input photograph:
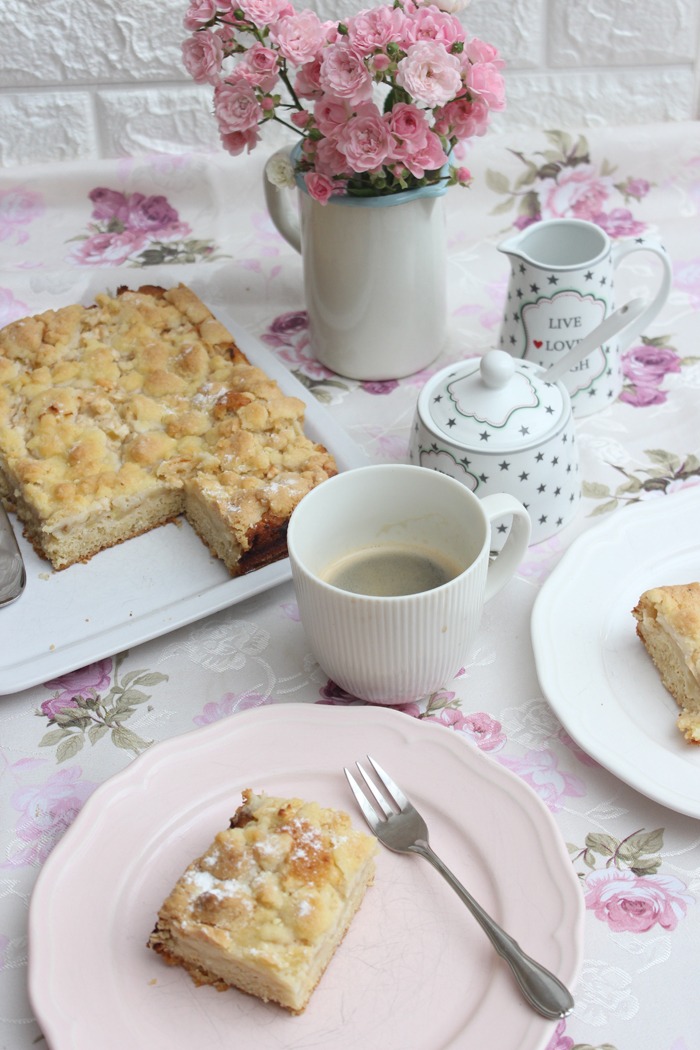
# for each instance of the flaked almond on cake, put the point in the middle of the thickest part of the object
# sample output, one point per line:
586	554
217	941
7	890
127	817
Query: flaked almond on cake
265	907
116	418
668	624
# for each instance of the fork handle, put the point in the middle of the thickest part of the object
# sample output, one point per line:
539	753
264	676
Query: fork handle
542	989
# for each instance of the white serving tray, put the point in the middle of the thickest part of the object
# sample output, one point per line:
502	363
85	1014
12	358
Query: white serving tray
146	587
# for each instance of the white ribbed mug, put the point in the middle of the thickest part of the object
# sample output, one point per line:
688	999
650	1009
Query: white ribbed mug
397	648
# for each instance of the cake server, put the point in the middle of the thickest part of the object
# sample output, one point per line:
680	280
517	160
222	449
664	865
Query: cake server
399	826
13	575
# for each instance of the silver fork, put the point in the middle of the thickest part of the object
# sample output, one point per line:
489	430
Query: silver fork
399	826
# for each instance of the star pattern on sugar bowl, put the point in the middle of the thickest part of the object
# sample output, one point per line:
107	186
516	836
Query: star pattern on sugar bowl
495	425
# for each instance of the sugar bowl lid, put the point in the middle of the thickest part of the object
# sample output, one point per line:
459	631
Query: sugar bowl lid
494	403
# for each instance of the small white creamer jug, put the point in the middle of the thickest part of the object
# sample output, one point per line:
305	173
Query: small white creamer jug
561	289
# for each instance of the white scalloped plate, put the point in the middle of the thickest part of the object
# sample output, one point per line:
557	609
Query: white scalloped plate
593	669
414	969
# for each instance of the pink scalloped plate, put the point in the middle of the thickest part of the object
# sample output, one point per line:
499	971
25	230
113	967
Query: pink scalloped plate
414	970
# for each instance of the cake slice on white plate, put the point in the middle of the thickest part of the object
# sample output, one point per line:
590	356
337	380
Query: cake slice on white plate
668	623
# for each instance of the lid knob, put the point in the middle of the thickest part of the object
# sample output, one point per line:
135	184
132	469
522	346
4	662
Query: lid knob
497	369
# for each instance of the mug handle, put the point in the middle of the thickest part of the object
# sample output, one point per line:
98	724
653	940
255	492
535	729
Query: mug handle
503	566
644	244
279	204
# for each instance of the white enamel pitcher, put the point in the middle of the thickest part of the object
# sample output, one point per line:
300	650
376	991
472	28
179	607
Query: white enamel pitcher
375	276
561	289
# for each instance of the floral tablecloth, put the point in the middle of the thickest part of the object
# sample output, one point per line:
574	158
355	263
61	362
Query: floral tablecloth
201	219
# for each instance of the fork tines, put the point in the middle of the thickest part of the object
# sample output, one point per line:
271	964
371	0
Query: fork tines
391	789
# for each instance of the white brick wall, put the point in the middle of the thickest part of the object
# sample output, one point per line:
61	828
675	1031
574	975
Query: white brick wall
103	78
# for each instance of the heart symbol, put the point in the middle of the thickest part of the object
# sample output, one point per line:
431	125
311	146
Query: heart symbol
537	342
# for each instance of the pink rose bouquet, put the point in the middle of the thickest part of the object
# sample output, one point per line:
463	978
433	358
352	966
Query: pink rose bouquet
379	102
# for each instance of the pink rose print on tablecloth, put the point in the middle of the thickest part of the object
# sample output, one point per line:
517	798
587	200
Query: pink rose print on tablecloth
644	368
82	683
95	702
563	182
229	704
11	309
19	208
560	1040
636	903
540	770
143	230
288	336
480	728
666	473
46	810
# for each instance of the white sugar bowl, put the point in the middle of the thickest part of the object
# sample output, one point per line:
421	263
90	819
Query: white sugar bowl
495	424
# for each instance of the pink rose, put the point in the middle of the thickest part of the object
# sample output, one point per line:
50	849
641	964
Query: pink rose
18	207
236	107
299	36
154	215
429	23
365	141
199	13
648	364
259	67
410	125
108	249
429	73
487	83
462	118
373	29
11	309
202	55
431	157
539	769
642	395
265	12
620	222
236	141
479	727
307	83
84	682
344	75
109	205
46	811
560	1040
330	114
320	187
328	160
479	51
578	191
635	903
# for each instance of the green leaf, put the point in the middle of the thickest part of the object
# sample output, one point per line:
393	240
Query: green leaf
600	843
54	736
632	485
96	732
503	207
561	139
151	678
660	455
128	740
645	842
133	696
595	490
69	747
497	181
604	508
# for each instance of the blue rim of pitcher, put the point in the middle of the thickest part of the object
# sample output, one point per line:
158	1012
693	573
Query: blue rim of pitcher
386	200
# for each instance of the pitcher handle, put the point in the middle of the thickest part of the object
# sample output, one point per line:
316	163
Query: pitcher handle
503	566
644	244
279	201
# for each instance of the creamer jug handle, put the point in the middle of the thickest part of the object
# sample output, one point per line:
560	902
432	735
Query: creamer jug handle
644	244
281	203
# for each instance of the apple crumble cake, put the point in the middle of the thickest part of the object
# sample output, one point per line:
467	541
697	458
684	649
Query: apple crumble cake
668	624
265	907
118	417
